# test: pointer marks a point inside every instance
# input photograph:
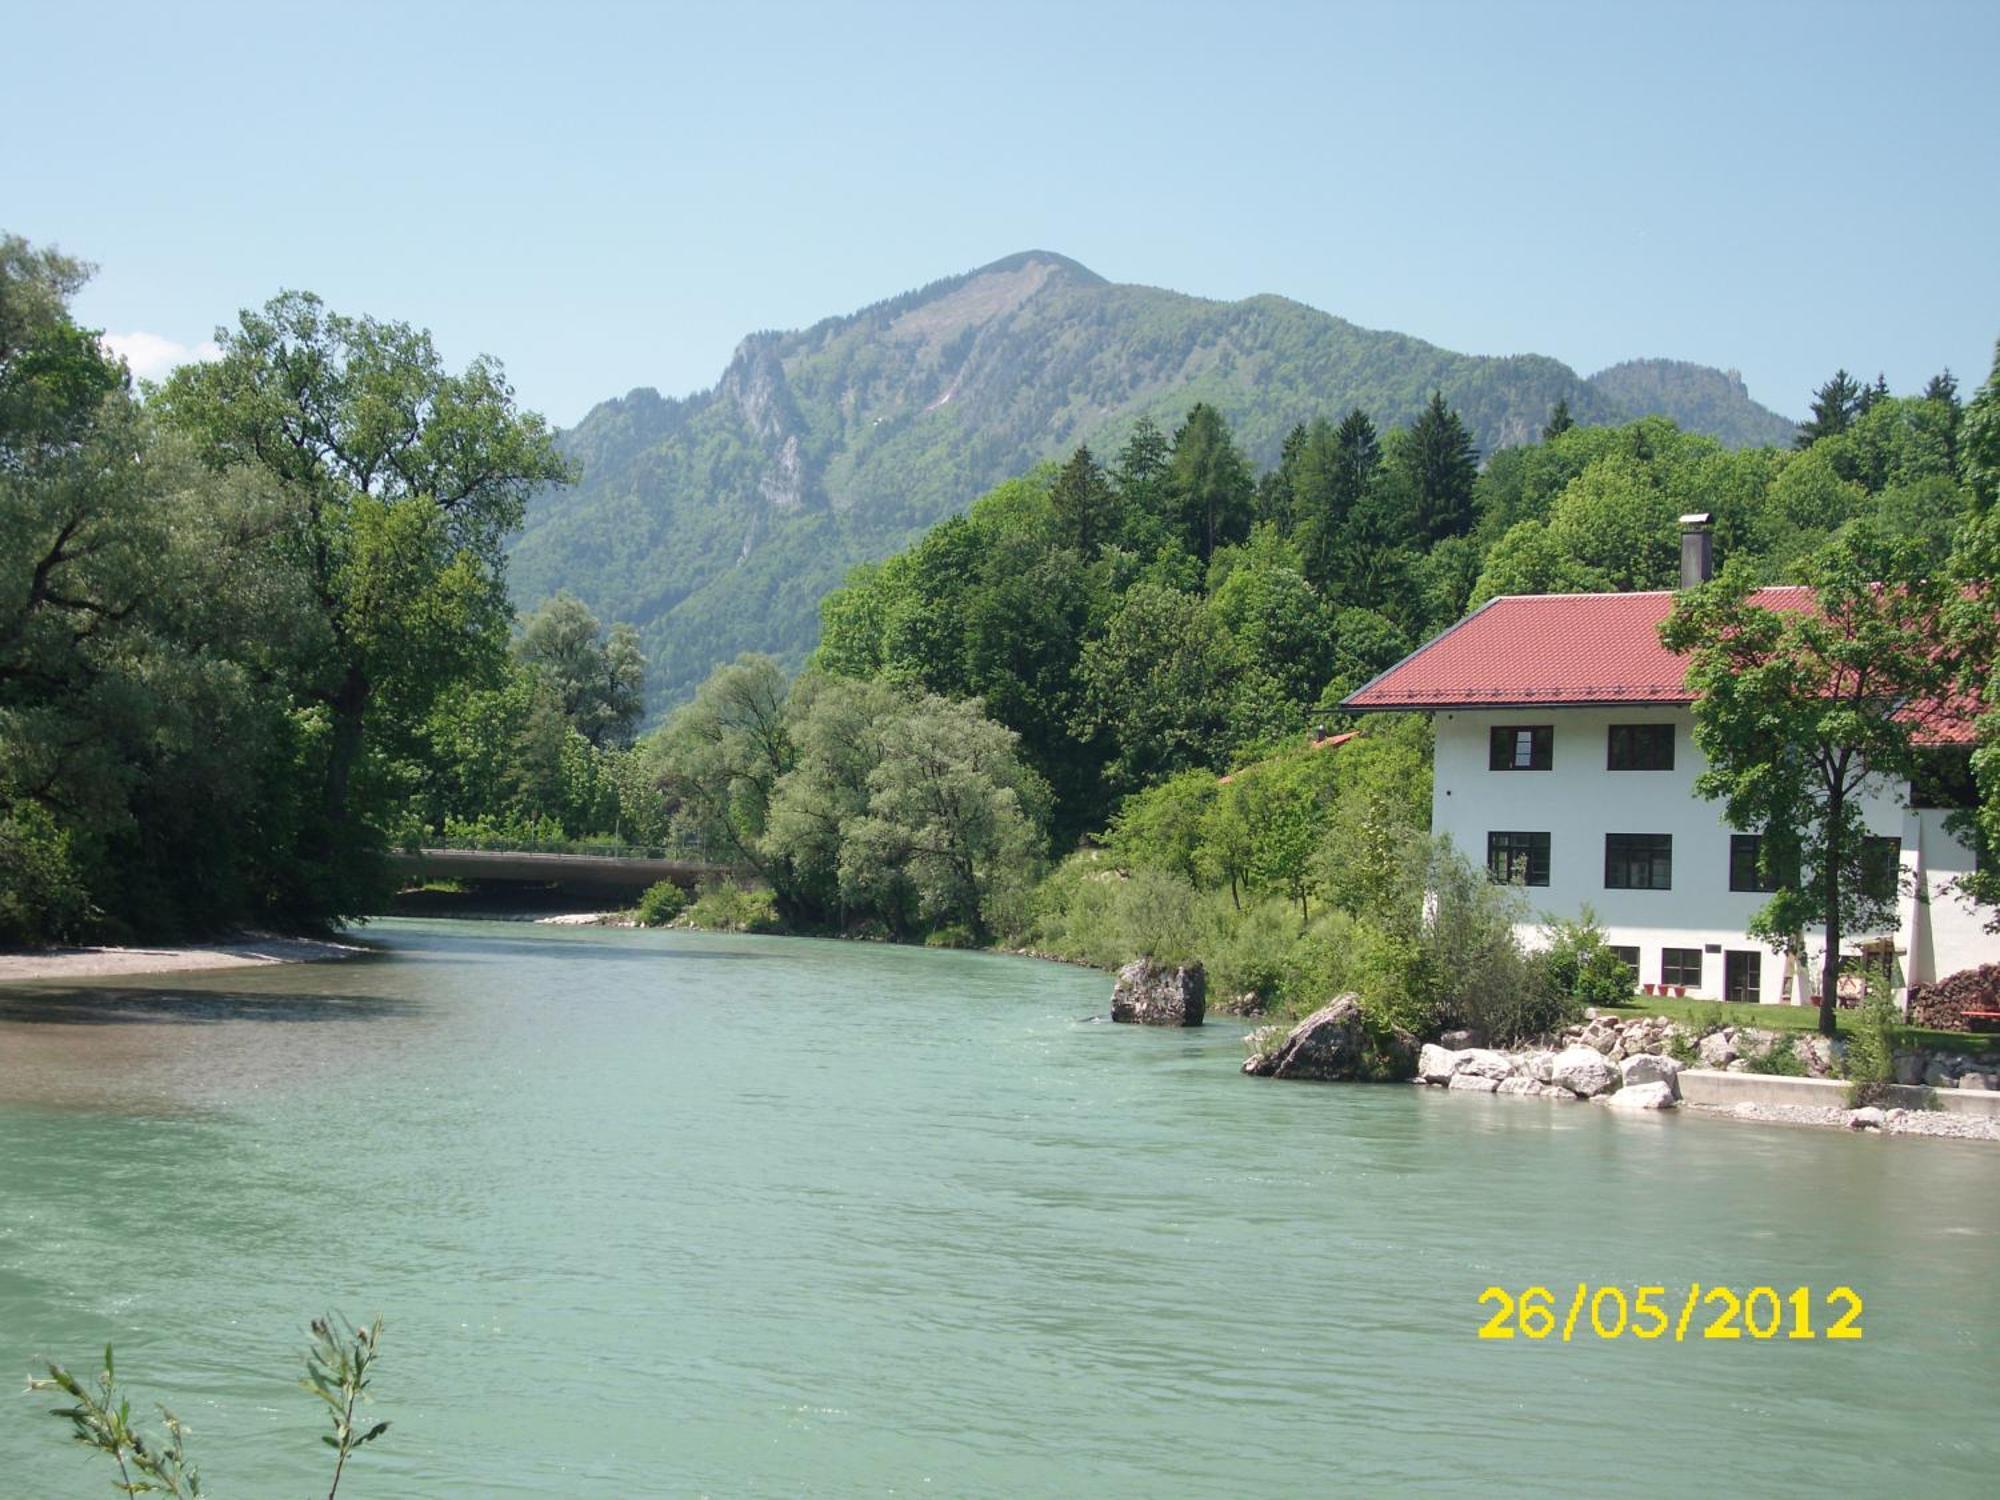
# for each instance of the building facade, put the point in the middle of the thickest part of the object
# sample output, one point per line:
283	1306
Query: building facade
1566	763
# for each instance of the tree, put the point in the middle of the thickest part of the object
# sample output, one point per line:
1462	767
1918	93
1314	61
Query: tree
1441	467
1800	712
401	482
1560	421
1336	467
952	811
1835	406
599	681
1979	439
1086	507
1158	683
718	759
1209	481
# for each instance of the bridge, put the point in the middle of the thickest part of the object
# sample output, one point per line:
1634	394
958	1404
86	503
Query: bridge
625	867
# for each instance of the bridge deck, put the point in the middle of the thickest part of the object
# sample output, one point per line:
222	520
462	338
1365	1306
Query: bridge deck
633	871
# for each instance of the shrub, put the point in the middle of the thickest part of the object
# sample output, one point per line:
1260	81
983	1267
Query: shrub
1578	963
951	935
1090	911
660	904
733	908
1872	1041
1473	963
1781	1059
42	899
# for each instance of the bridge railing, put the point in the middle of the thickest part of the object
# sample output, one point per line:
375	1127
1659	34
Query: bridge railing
688	851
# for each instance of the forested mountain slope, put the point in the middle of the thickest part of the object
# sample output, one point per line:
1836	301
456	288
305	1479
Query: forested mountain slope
715	523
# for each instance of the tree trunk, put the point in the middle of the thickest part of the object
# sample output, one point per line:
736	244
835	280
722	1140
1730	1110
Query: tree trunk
1829	884
350	707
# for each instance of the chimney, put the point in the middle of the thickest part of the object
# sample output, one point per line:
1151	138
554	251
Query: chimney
1697	549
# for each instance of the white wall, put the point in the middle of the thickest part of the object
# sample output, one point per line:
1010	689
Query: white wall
1578	801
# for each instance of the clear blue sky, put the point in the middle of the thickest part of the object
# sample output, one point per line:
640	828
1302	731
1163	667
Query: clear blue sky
608	196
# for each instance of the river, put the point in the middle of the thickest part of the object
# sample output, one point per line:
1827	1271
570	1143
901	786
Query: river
657	1213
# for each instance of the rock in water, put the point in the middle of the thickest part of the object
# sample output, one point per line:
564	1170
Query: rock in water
1644	1096
1150	994
1651	1067
1436	1064
1338	1042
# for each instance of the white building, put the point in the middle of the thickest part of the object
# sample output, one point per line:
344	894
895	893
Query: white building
1566	760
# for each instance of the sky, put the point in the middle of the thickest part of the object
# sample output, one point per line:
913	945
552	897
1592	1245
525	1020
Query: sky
607	196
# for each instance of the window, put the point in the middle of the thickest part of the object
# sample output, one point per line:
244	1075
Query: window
1518	858
1744	875
1529	747
1681	966
1944	779
1641	747
1881	868
1742	977
1630	958
1638	861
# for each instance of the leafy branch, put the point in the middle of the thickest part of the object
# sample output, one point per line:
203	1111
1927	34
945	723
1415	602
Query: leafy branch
337	1365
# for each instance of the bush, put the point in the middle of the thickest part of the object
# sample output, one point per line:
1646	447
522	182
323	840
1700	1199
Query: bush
733	908
1474	965
951	935
1578	963
1090	911
1872	1041
42	898
1780	1059
660	904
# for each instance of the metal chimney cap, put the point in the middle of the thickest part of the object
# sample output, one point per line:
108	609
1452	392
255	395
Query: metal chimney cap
1698	518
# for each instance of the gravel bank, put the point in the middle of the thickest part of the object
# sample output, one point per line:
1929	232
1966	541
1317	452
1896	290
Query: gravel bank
1894	1121
250	951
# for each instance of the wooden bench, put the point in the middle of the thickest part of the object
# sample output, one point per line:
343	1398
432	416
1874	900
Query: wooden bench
1982	1020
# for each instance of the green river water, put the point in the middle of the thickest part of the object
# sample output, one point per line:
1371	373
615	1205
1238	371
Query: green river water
668	1214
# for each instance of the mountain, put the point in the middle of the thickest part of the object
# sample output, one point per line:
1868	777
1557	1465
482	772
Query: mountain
1698	397
716	523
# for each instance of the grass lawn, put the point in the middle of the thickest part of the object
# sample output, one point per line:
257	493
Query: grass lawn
1791	1018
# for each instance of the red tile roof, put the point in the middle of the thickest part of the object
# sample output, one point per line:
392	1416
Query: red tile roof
1549	649
1559	650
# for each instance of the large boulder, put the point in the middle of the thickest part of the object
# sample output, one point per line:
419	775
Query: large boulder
1483	1062
1339	1042
1150	994
1644	1096
1716	1050
1478	1083
1583	1071
1650	1067
1437	1064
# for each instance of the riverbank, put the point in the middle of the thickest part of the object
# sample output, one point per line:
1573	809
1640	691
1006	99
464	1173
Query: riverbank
251	950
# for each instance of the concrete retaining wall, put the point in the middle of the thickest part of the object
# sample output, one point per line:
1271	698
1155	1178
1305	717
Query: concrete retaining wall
1713	1086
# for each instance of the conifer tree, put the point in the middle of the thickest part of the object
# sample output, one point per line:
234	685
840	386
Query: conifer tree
1442	467
1560	421
1210	482
1086	507
1835	406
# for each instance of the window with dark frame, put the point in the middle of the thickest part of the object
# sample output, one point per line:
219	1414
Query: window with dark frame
1629	956
1881	868
1742	976
1640	747
1744	851
1681	966
1522	747
1638	861
1518	858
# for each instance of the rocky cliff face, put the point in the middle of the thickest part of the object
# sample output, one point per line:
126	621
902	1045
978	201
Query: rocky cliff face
716	523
